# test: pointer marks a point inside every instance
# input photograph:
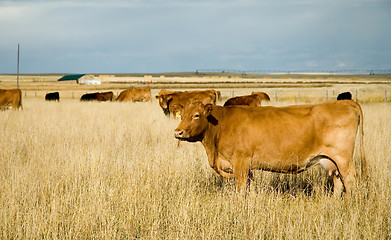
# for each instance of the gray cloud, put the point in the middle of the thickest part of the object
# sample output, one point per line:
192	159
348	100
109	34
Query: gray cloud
174	35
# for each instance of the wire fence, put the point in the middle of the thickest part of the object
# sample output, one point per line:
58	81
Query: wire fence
296	95
310	95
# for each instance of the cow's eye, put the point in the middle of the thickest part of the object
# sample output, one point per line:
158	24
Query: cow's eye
196	116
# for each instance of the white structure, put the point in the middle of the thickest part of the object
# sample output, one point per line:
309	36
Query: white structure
89	80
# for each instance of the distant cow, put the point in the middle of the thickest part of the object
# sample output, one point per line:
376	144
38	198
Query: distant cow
10	99
216	93
105	96
240	139
173	102
101	97
344	96
88	97
253	100
135	95
263	96
54	96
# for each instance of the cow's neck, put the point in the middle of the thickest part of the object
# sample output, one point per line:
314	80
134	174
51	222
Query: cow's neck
209	140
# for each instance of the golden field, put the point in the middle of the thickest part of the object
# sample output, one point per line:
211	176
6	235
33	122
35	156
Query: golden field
299	88
77	170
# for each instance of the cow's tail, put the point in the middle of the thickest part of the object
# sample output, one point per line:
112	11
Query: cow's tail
364	170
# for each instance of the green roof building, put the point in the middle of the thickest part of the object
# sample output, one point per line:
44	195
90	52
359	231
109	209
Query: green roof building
80	78
71	77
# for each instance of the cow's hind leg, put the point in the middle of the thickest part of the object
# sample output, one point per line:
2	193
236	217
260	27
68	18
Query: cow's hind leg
342	172
338	184
334	180
347	176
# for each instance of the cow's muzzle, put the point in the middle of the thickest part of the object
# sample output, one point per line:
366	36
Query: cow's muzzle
179	134
185	136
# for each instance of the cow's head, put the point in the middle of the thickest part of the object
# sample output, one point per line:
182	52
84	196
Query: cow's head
194	122
164	101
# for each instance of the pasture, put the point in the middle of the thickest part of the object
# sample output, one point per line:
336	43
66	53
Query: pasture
114	171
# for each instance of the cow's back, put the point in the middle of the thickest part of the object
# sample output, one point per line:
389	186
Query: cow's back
247	100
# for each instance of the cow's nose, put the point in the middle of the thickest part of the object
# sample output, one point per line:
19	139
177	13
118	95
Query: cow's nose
178	133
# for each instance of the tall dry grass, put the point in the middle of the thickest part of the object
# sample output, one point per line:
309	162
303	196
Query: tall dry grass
113	171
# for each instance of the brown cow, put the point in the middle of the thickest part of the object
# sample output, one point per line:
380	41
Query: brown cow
241	139
105	96
253	100
262	96
135	95
247	100
10	99
172	102
101	97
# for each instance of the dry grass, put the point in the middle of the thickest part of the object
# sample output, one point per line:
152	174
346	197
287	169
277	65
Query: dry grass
113	171
312	87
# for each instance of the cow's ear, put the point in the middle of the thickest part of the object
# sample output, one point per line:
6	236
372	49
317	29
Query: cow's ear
168	99
208	109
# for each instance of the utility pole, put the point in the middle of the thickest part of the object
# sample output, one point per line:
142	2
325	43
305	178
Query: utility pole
17	76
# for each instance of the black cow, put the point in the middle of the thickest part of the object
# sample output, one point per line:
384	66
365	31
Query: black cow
88	97
54	96
344	96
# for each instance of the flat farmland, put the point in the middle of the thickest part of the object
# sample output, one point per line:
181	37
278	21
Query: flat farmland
115	171
299	88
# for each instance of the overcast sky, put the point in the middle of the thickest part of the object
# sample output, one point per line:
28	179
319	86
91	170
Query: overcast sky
131	36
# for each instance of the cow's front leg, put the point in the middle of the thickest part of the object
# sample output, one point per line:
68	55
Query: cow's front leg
242	175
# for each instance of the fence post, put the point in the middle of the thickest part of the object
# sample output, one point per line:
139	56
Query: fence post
275	94
327	94
356	95
73	95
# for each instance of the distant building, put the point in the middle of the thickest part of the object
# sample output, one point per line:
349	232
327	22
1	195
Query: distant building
80	79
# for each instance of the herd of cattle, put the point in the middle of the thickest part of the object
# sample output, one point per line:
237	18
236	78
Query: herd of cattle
170	101
240	136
